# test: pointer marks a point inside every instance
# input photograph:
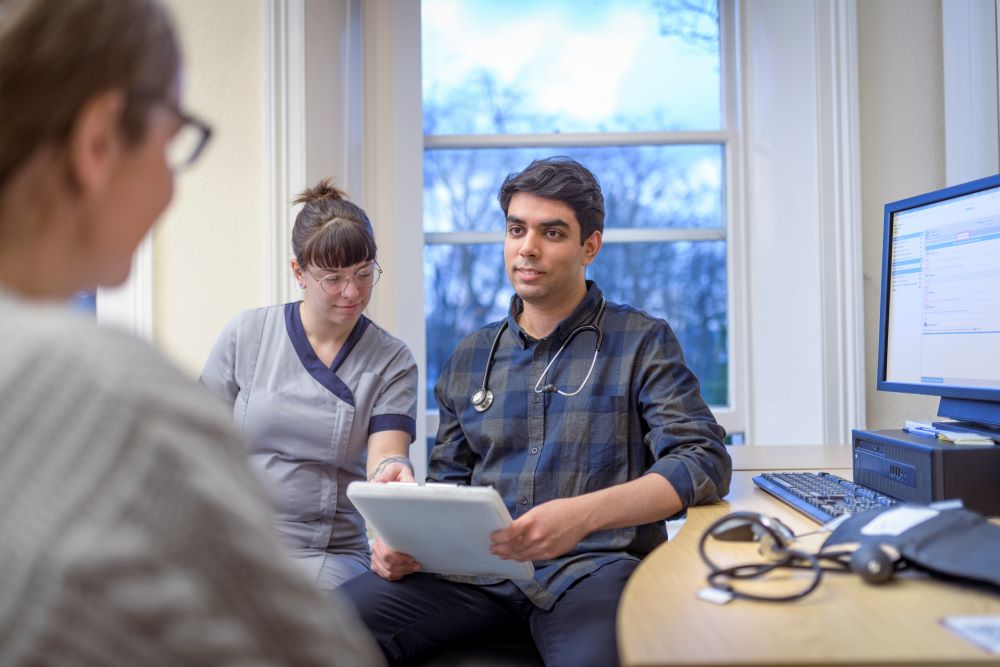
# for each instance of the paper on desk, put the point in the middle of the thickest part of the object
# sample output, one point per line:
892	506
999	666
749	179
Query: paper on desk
983	631
898	520
714	595
963	438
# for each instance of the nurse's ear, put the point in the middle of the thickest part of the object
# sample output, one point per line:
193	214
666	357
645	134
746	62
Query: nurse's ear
297	272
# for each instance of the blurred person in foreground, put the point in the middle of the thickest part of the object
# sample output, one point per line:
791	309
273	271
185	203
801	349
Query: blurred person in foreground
131	530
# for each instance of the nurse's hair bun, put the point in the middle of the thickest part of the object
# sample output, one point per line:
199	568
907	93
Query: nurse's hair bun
330	231
322	191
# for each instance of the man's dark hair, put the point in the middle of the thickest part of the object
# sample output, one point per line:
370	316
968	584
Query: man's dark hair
565	180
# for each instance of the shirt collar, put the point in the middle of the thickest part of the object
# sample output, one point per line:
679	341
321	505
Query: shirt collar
584	312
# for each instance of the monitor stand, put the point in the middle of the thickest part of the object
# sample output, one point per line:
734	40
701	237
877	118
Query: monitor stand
972	427
982	417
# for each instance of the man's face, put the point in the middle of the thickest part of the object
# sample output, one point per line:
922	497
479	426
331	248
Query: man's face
542	251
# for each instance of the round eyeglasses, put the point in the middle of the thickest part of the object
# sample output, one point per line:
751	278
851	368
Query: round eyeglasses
336	283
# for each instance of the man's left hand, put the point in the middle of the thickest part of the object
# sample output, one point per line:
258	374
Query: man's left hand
543	532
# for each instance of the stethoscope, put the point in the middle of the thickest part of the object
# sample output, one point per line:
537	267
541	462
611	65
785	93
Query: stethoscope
482	398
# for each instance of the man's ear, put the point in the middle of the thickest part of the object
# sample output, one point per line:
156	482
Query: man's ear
591	247
95	141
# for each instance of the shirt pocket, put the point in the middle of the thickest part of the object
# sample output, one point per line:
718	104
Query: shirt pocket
597	436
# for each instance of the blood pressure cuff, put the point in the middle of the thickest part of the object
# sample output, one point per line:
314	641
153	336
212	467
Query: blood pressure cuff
955	542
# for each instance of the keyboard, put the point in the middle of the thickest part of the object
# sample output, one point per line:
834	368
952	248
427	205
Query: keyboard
821	496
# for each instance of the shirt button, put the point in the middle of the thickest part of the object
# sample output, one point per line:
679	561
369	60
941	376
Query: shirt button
524	500
534	399
534	450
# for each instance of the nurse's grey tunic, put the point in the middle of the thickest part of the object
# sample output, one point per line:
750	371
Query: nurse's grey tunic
307	424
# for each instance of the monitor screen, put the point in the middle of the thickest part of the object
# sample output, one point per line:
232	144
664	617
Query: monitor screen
940	316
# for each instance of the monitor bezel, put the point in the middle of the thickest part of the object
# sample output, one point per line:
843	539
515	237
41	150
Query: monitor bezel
891	209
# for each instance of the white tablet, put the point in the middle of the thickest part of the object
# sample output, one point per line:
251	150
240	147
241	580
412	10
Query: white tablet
444	527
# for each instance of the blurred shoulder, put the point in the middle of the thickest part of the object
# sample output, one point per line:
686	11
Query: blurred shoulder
59	352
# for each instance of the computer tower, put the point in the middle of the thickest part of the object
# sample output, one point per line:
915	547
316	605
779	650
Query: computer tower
923	469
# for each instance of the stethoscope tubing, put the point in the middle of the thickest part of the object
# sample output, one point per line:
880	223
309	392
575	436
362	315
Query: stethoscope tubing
482	398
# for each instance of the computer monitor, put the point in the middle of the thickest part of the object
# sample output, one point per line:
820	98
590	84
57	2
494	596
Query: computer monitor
939	328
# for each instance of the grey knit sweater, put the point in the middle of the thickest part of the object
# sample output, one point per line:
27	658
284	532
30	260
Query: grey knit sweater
131	532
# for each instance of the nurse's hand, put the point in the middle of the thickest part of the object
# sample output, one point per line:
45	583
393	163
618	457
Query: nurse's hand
391	565
396	471
393	469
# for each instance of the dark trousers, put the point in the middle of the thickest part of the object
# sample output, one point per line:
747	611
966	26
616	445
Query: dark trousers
417	617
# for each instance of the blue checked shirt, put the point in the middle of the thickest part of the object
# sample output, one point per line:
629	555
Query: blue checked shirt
641	412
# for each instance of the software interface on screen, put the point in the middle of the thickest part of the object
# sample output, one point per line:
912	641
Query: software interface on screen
944	299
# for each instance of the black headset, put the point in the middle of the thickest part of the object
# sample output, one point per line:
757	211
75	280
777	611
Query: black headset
870	561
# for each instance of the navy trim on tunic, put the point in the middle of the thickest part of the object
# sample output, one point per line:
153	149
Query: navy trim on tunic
393	423
325	375
352	340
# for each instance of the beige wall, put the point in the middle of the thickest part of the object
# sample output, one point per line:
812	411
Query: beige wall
902	152
208	248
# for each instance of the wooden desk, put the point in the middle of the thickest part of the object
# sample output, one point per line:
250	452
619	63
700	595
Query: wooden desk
791	457
843	622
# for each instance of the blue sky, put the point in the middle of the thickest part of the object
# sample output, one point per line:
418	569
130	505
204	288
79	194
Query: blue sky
582	60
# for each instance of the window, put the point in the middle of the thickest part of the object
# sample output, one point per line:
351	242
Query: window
633	90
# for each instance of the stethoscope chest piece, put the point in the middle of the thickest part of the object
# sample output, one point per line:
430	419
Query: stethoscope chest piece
482	399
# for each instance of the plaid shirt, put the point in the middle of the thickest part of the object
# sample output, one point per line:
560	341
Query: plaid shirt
641	411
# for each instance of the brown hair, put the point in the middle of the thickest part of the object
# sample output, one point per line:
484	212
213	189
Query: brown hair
564	180
331	232
57	54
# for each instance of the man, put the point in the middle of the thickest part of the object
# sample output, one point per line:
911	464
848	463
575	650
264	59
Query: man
591	428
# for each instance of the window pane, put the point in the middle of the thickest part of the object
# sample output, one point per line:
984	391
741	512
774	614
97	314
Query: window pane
644	186
465	287
522	66
684	283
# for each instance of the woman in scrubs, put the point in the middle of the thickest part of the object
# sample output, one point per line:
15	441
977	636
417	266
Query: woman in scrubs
323	395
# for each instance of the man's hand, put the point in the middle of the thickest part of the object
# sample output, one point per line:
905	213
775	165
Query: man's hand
391	565
543	532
